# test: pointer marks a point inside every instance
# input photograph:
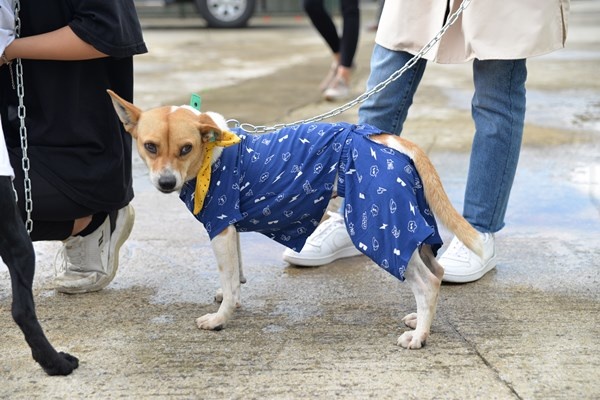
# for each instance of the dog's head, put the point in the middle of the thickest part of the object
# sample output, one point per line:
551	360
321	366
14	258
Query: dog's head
171	140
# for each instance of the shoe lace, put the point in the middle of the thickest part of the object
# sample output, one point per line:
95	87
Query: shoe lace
335	221
458	250
69	254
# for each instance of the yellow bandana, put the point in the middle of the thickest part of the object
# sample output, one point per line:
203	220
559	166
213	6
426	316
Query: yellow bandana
203	179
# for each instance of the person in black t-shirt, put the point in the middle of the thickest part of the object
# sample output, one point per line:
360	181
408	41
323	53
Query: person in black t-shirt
72	51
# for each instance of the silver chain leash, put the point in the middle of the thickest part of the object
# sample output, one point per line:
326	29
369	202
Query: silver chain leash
363	97
22	128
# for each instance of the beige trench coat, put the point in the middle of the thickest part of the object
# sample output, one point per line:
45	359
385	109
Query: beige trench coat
487	29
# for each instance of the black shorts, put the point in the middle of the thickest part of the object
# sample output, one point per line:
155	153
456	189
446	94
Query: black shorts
53	213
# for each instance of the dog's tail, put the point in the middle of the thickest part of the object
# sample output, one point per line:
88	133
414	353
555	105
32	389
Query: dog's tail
438	199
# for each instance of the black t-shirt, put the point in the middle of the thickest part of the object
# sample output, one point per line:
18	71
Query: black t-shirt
75	139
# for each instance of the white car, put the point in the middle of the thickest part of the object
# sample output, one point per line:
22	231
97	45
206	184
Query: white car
226	13
216	13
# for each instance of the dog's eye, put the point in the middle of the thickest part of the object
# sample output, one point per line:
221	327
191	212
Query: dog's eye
185	150
150	148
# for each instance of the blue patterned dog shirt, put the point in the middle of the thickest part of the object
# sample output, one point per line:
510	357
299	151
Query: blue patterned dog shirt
279	184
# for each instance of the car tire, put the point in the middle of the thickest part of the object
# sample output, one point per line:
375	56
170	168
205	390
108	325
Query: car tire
226	13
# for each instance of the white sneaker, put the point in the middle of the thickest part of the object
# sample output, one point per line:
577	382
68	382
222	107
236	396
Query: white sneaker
461	265
89	263
337	90
329	242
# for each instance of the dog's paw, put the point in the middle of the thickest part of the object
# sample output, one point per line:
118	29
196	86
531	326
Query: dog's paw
411	340
212	322
63	364
410	320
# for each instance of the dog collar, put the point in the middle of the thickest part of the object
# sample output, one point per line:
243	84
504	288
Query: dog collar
225	139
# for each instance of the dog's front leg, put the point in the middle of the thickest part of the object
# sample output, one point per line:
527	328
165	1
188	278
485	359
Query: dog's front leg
219	294
424	275
225	247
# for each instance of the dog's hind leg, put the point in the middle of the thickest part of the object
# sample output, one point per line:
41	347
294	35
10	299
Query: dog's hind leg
225	246
424	275
17	253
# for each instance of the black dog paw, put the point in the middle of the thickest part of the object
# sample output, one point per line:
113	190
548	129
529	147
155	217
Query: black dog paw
63	364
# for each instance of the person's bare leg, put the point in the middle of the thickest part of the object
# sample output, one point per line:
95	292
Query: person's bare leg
80	224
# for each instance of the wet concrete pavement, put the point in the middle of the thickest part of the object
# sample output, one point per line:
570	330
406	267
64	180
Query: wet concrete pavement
529	329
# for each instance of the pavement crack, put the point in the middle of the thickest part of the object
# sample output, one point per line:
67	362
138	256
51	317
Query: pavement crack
470	345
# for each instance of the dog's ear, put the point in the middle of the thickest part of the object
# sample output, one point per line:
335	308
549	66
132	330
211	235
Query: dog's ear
127	112
208	129
210	132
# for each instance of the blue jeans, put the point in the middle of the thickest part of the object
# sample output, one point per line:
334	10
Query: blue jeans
497	108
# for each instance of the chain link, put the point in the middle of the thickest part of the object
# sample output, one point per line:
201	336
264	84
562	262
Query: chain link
363	97
21	112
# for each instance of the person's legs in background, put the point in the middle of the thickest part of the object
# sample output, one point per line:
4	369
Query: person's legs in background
375	24
498	110
339	87
336	84
387	110
321	20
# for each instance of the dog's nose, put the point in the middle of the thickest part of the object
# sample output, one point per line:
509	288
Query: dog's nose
167	183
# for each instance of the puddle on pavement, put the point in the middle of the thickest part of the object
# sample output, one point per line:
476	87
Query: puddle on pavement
562	109
556	191
544	202
565	109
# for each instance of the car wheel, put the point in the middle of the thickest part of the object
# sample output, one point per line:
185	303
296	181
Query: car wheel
226	13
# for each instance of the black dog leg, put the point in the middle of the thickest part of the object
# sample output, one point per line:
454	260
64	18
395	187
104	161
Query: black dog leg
17	253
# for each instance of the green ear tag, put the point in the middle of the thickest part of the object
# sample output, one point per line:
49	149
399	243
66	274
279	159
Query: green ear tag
195	101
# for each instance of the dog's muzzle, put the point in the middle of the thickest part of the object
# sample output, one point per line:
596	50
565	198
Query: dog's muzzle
167	183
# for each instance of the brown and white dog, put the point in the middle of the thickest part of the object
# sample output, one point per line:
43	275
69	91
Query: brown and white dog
174	141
